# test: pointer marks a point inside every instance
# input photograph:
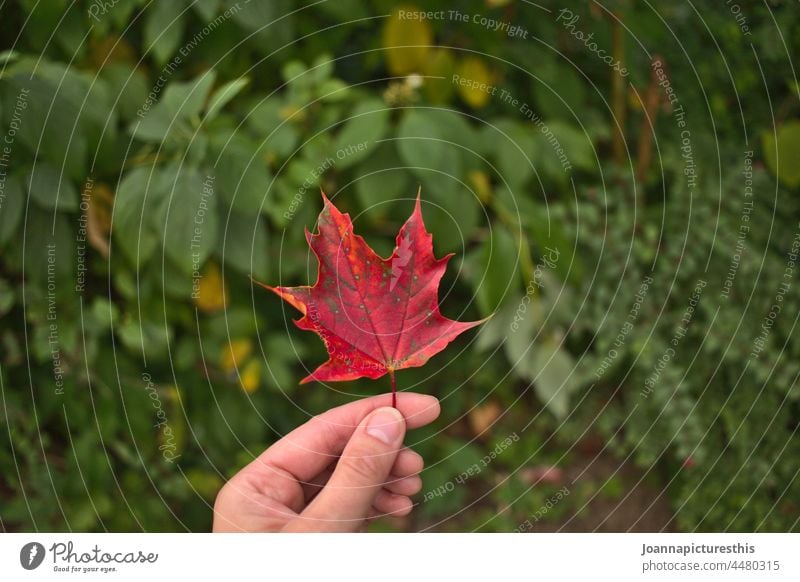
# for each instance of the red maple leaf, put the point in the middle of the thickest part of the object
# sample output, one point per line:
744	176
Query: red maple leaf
374	315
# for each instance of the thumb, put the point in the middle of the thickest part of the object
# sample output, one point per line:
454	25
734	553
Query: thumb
361	472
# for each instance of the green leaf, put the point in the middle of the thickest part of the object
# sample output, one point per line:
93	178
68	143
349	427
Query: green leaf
242	179
269	22
51	190
423	146
334	90
781	152
7	57
6	297
347	10
207	9
223	95
321	69
170	117
419	140
12	201
497	277
523	327
514	151
367	124
157	123
452	214
294	72
243	245
187	220
163	29
279	136
576	145
187	99
49	248
264	117
104	314
551	369
549	237
381	179
45	105
130	85
497	329
132	226
558	89
152	338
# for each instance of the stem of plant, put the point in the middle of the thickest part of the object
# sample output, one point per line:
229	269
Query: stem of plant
394	388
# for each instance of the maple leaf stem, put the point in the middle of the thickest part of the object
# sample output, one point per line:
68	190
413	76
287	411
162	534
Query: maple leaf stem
394	388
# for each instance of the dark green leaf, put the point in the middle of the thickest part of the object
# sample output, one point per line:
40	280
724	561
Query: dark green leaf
50	189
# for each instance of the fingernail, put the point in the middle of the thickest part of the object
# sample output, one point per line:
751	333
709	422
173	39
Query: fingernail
386	424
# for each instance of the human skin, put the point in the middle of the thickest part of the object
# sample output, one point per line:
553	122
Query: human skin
333	473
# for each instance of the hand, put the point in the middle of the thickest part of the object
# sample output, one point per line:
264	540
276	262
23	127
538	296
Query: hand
332	473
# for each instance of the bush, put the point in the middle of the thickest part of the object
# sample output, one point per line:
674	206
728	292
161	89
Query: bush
159	157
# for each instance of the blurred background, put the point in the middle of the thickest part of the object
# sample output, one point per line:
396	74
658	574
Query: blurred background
618	181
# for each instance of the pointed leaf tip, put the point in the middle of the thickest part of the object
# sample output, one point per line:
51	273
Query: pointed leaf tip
371	322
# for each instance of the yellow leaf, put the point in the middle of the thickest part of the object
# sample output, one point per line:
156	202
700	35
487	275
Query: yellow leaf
781	151
98	216
415	37
210	294
440	64
234	352
481	418
476	91
480	182
110	49
292	113
251	376
205	483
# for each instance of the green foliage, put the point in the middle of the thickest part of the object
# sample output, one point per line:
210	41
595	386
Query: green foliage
164	153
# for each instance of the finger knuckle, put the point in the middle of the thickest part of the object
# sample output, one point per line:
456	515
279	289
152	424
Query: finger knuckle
363	467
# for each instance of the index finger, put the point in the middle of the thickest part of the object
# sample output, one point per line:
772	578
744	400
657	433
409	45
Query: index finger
310	448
